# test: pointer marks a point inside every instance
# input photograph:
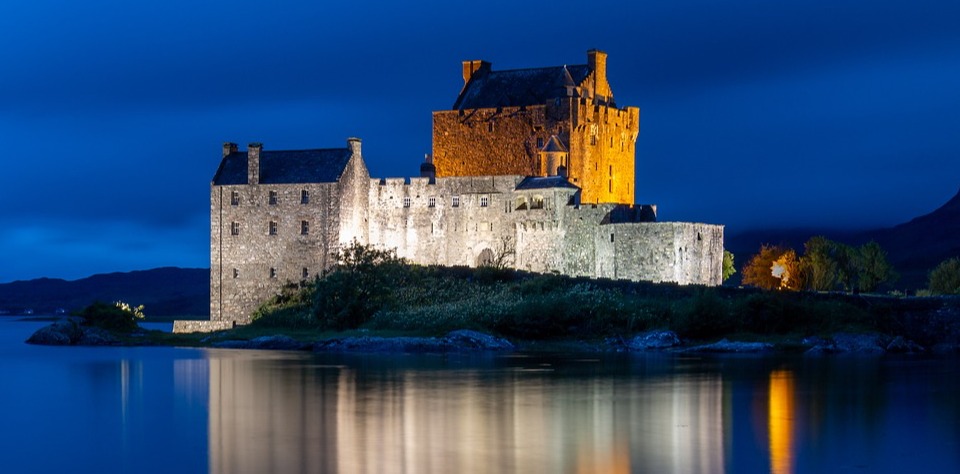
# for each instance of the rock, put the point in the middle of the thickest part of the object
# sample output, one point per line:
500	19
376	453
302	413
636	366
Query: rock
844	343
466	339
63	332
97	337
231	344
724	345
278	343
653	340
382	344
901	345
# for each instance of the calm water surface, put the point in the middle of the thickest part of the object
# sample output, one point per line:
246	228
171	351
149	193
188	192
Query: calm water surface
225	411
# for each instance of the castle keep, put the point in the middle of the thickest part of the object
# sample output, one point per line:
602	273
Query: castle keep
532	168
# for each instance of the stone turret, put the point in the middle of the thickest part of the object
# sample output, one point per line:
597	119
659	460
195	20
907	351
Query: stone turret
253	163
553	156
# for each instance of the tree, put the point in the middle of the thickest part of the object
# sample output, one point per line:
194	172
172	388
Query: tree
871	267
775	267
506	251
358	286
819	264
728	268
945	278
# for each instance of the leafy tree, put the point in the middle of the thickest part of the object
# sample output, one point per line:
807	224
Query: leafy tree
871	267
118	316
728	268
819	264
775	267
358	286
945	278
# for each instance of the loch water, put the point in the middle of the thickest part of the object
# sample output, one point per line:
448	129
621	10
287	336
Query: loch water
161	409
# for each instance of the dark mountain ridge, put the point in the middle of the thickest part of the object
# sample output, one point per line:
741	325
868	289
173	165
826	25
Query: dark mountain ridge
167	291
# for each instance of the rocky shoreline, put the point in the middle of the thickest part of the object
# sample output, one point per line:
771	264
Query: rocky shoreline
71	331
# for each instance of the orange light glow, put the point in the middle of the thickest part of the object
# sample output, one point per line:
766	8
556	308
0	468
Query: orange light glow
781	412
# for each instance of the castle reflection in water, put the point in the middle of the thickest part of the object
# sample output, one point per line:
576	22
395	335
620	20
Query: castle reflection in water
272	414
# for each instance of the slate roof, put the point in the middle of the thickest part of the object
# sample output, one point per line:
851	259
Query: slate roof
519	87
541	182
554	145
286	167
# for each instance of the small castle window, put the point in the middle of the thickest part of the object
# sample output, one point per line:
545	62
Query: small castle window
610	185
611	170
305	273
593	140
611	237
273	228
490	126
304	227
539	142
484	201
537	202
432	202
234	198
236	273
304	197
273	198
611	142
234	228
273	272
456	201
406	201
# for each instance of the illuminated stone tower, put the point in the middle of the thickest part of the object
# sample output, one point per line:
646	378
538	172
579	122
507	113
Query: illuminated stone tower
502	121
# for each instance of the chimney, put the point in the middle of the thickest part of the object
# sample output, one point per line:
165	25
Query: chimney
229	148
472	67
353	143
253	163
597	61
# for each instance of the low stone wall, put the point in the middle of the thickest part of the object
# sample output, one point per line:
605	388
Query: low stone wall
180	327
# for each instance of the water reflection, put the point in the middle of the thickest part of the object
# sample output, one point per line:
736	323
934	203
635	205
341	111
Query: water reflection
780	421
283	416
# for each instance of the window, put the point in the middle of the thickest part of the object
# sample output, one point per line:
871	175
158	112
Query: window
611	142
432	202
234	228
234	198
236	273
273	272
273	198
304	228
273	228
490	126
406	201
611	237
304	196
539	142
610	185
593	139
611	170
537	202
305	273
456	201
484	201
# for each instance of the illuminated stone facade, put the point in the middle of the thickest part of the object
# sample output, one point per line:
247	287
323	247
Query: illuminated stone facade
281	223
502	120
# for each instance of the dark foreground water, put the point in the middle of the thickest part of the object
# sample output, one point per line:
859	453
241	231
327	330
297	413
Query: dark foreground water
188	410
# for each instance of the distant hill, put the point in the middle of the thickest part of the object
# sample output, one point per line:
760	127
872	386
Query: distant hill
163	291
914	247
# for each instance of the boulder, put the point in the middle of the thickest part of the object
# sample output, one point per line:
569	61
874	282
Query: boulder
846	343
63	332
92	336
726	346
900	345
465	339
653	340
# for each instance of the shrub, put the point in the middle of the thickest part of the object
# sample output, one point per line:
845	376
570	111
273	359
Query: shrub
114	317
945	279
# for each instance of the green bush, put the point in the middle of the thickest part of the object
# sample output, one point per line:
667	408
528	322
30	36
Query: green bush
704	315
945	279
118	316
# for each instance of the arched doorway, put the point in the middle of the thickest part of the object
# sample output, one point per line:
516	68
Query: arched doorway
485	259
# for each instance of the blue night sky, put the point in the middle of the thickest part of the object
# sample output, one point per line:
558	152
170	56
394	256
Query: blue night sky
754	113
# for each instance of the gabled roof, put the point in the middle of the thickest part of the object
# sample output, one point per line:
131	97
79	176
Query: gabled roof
286	167
544	182
519	87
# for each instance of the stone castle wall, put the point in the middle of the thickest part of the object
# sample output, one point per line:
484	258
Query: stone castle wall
506	141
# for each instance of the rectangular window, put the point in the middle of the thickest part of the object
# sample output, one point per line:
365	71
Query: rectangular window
456	201
305	273
593	139
611	170
490	127
484	201
234	228
273	272
236	273
611	237
304	228
272	228
234	198
432	202
611	142
273	198
610	185
406	201
304	196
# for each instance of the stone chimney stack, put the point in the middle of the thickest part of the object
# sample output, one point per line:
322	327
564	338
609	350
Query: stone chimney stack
253	163
597	61
229	148
353	143
471	67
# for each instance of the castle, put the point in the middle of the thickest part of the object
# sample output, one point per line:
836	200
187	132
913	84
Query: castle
532	168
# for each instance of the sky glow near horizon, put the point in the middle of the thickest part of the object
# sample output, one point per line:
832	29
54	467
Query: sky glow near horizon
753	114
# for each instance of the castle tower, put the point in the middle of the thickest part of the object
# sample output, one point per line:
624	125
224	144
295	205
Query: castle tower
553	156
502	121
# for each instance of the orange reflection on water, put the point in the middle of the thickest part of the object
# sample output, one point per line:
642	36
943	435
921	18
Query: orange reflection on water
780	419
